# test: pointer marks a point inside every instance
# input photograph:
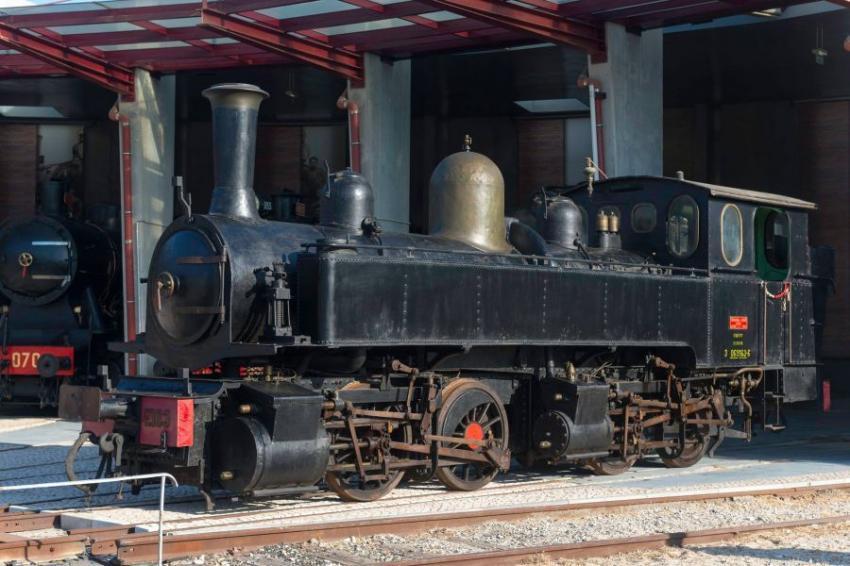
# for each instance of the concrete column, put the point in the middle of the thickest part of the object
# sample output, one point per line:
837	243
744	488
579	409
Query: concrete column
152	124
632	112
384	103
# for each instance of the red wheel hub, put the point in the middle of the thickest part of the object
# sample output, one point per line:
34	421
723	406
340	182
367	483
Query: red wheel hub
473	431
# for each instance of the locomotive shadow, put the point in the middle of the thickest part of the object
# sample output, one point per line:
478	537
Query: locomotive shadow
779	554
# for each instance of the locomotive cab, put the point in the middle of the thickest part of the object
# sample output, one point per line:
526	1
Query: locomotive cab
747	244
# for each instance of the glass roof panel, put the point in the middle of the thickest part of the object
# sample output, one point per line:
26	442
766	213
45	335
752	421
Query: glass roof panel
442	16
308	9
95	28
220	40
21	7
365	26
147	45
177	22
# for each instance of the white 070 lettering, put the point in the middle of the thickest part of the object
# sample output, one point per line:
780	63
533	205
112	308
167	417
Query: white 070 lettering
22	360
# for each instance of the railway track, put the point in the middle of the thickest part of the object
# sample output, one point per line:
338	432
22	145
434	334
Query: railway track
129	544
608	547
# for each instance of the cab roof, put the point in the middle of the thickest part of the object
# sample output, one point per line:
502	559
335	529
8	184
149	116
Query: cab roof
732	193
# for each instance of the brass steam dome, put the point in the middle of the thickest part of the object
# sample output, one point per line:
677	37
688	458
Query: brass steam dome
467	201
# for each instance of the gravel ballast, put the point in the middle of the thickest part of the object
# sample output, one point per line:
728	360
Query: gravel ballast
588	525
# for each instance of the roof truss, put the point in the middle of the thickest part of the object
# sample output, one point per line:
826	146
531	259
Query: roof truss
170	37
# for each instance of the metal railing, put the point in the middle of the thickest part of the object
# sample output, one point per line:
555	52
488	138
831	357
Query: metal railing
162	477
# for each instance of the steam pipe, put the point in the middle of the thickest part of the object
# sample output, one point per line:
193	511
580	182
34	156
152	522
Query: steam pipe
597	130
129	229
600	137
344	103
235	108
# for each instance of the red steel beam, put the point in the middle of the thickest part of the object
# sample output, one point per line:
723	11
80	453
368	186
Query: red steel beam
378	39
129	14
694	13
239	6
542	4
105	16
544	25
360	15
477	39
188	33
310	51
84	65
582	8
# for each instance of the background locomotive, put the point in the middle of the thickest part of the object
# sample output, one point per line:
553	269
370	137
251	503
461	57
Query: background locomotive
59	278
361	356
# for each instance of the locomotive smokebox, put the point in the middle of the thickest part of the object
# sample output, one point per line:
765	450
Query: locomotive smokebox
467	201
235	107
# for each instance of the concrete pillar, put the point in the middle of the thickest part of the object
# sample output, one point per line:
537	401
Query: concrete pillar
632	112
152	124
384	103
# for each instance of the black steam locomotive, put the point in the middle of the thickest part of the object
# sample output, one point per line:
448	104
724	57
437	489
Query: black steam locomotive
59	278
361	357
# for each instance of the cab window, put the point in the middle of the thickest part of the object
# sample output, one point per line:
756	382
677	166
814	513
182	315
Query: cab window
772	244
683	226
731	234
643	218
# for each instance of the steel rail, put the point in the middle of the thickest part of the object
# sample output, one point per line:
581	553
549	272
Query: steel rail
132	546
609	547
142	547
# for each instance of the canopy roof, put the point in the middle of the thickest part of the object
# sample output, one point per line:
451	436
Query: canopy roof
103	41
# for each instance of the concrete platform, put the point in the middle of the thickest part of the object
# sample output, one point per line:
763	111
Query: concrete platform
814	447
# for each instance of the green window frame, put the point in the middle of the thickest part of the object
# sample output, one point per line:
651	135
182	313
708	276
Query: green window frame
773	244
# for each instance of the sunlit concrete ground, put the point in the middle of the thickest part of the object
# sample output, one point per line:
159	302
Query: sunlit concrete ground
815	446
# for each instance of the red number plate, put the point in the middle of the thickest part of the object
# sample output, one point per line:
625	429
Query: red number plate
23	360
739	322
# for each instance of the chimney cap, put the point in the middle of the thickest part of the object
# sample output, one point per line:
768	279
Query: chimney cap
233	88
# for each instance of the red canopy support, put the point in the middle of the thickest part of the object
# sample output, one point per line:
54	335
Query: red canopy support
545	25
311	51
84	65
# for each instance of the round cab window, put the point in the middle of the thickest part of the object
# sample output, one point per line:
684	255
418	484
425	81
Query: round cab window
731	234
644	217
683	226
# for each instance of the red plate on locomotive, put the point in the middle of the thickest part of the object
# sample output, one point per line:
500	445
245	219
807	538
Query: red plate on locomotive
23	360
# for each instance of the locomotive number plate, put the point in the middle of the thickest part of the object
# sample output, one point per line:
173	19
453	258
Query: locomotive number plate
23	360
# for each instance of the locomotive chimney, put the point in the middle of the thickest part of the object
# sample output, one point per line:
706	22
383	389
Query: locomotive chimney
234	121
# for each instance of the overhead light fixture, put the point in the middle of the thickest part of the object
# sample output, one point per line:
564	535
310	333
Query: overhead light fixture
290	92
819	52
767	13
